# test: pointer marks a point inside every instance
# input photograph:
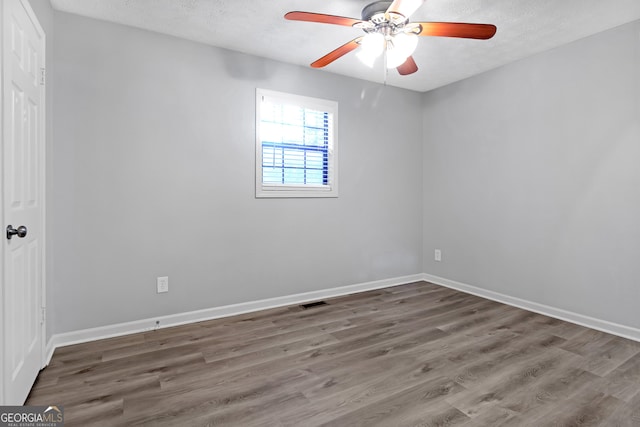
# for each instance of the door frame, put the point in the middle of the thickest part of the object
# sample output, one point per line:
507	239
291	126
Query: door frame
42	182
2	401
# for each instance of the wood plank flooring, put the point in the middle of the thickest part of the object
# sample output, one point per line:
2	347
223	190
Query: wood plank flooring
411	355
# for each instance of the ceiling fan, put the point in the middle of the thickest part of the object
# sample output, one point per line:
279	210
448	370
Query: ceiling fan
388	32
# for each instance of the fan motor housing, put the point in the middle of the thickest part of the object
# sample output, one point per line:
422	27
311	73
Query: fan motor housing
377	8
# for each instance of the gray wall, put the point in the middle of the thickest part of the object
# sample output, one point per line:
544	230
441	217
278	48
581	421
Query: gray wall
531	178
154	175
45	15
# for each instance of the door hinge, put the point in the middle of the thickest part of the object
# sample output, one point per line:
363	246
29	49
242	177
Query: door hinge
42	318
42	76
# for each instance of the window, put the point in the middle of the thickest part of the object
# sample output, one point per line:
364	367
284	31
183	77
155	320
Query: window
296	146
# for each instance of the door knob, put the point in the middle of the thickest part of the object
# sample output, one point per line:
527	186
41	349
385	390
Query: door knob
20	231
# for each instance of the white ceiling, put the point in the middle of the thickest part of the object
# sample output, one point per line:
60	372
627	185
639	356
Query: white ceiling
257	27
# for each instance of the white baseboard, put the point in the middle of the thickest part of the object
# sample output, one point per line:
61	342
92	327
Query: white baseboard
569	316
119	329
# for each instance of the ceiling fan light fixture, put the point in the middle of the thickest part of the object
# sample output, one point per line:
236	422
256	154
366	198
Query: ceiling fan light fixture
371	47
388	30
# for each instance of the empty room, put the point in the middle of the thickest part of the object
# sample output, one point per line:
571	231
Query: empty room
305	213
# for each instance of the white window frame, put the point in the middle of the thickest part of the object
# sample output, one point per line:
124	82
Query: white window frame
303	190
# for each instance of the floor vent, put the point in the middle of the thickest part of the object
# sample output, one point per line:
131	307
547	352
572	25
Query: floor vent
313	304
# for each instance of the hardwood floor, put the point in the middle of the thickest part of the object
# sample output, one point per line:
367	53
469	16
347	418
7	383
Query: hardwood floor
411	355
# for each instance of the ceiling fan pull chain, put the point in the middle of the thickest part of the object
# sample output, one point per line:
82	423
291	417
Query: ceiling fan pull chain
384	64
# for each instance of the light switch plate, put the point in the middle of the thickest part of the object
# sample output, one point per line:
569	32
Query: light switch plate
163	284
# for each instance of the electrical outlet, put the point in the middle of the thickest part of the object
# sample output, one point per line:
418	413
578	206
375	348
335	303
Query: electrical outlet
437	255
162	284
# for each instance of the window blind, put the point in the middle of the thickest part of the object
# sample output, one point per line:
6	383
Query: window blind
295	144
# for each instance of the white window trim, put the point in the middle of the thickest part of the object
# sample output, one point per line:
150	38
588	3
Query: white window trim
286	191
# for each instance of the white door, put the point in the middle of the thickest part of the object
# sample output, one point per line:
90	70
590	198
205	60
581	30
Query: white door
22	152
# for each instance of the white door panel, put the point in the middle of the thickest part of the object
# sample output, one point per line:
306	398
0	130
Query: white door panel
23	199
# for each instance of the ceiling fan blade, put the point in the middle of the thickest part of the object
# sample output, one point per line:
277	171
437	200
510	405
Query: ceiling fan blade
322	18
337	53
457	29
408	67
404	7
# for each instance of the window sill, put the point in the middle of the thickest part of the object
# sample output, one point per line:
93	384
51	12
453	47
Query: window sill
285	193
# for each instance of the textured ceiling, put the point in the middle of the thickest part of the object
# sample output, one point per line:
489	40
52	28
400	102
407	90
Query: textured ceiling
257	27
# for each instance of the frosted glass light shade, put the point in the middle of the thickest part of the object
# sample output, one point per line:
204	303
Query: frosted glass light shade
402	46
395	58
407	43
371	47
